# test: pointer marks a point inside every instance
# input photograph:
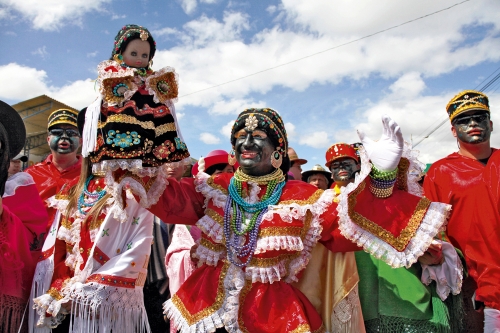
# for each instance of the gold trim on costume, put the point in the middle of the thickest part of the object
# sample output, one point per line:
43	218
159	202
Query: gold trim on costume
211	246
302	328
243	294
402	176
312	199
269	262
215	216
280	231
162	129
209	310
400	242
210	182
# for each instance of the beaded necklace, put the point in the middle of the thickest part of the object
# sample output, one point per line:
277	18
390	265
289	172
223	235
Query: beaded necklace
89	199
236	208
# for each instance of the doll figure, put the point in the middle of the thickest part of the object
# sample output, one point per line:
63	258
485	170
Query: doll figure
133	123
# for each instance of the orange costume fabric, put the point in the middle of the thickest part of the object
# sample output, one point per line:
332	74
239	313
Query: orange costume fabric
260	297
50	181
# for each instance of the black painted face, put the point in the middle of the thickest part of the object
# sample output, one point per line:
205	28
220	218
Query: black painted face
344	169
64	139
472	127
253	152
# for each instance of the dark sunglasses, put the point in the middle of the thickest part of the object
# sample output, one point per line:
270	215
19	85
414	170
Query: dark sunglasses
69	132
478	118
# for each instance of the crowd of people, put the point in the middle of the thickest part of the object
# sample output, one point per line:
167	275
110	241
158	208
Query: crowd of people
130	236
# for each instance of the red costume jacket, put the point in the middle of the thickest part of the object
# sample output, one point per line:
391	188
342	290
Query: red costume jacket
49	180
260	297
474	225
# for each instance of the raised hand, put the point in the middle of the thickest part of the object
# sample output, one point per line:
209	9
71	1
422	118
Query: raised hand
386	152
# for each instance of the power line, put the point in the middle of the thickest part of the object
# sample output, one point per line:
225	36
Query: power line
329	49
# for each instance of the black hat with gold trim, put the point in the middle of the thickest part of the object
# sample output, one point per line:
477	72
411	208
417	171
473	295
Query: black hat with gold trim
467	100
63	116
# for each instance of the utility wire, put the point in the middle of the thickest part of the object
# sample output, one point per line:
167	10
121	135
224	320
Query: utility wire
329	49
486	86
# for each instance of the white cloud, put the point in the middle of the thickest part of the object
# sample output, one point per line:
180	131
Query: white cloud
316	140
92	54
51	15
226	129
209	138
188	6
290	131
234	106
118	17
41	51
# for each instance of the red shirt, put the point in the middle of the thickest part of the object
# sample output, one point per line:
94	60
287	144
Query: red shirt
474	224
49	180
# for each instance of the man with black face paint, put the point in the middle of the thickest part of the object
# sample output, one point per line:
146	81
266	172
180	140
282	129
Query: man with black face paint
62	167
461	179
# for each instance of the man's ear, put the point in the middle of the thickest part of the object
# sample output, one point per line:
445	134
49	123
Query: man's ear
453	131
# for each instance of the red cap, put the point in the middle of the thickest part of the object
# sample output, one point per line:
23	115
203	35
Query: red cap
340	150
218	156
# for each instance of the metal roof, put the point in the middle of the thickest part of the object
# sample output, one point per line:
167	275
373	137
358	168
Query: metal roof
35	113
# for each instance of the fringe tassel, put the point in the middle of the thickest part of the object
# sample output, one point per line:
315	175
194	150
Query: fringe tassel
440	315
11	314
90	129
41	283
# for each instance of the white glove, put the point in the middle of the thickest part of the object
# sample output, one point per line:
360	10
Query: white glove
386	152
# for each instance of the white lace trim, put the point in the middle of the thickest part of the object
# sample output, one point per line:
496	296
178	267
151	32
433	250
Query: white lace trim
226	316
296	211
415	170
17	180
208	256
211	228
210	193
311	238
266	274
59	204
276	243
435	217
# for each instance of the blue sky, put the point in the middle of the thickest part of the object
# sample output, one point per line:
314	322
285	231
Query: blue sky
250	51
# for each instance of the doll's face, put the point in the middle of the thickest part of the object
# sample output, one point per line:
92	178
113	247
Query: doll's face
136	54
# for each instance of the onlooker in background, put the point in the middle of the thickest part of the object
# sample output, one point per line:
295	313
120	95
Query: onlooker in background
295	164
23	220
16	164
62	167
455	179
216	161
318	177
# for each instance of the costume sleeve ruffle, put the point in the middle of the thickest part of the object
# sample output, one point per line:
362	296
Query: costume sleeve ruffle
110	74
402	238
448	275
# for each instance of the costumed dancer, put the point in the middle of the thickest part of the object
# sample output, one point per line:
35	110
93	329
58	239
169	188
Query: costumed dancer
23	221
330	280
62	167
95	264
399	299
259	230
468	180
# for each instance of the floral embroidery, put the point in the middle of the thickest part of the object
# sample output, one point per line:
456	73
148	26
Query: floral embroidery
164	150
122	140
129	245
179	144
135	221
105	232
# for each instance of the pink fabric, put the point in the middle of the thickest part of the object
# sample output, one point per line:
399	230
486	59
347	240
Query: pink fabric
178	261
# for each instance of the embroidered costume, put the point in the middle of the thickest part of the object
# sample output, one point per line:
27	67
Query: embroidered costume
251	291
